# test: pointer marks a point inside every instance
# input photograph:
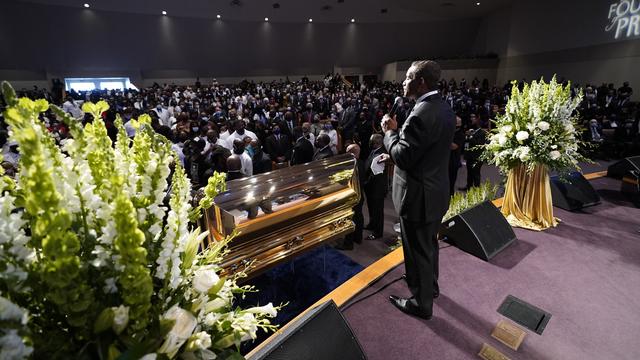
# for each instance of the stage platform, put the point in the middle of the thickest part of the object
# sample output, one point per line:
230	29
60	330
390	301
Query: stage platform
585	272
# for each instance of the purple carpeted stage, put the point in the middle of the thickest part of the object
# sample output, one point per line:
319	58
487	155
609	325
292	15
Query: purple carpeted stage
585	272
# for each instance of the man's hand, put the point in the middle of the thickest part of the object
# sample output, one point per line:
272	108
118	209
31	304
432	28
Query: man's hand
384	157
389	123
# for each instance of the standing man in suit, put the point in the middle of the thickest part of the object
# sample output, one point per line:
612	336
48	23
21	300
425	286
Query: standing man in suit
420	150
323	144
375	189
278	146
358	218
476	136
302	150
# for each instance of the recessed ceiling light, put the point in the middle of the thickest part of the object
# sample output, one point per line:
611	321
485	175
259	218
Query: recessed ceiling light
218	16
310	20
164	12
353	20
266	19
477	4
86	5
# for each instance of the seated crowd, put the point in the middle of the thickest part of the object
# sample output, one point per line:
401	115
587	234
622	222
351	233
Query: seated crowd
251	128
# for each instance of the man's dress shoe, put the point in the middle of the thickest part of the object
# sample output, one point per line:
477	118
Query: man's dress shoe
436	292
408	307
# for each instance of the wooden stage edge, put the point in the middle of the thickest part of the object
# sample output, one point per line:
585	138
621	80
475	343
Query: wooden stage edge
366	277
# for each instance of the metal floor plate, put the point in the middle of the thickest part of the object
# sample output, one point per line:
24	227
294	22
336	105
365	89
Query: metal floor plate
525	314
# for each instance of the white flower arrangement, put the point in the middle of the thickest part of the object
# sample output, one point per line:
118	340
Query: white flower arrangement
94	264
537	128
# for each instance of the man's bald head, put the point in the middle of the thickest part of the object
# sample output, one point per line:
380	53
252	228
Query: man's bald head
234	164
354	149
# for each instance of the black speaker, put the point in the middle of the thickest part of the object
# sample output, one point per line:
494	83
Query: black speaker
622	167
320	334
573	192
481	231
630	186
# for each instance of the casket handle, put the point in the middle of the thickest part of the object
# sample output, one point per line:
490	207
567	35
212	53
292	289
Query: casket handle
294	242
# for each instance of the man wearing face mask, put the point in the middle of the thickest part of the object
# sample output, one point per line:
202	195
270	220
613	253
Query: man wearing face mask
420	151
278	146
240	132
302	150
261	161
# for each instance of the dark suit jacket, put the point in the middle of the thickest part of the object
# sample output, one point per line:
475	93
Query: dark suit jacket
276	148
479	137
323	153
458	139
375	185
420	151
302	152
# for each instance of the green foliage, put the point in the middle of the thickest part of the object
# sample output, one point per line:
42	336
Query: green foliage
474	196
103	268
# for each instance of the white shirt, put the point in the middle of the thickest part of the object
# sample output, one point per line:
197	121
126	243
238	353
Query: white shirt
164	116
218	142
312	138
224	135
247	164
131	132
235	135
333	136
11	157
178	149
70	107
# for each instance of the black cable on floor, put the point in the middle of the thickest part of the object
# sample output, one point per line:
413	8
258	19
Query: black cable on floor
347	306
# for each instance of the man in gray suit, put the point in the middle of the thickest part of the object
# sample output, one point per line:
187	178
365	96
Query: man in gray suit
420	150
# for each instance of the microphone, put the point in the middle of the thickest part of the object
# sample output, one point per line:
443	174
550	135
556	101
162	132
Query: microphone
396	104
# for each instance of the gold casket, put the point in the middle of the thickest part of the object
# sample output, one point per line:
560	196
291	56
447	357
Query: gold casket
282	213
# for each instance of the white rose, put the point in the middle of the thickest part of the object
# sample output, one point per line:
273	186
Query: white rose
543	125
204	279
120	318
569	127
182	329
199	341
524	153
502	139
506	129
554	155
553	147
267	310
522	136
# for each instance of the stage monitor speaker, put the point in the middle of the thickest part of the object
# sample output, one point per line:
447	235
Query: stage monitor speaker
573	192
320	334
622	167
481	231
630	186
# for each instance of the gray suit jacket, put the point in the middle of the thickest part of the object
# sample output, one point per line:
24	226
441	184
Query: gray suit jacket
421	152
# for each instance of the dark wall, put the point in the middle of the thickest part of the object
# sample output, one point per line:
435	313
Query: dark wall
68	41
545	37
552	25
